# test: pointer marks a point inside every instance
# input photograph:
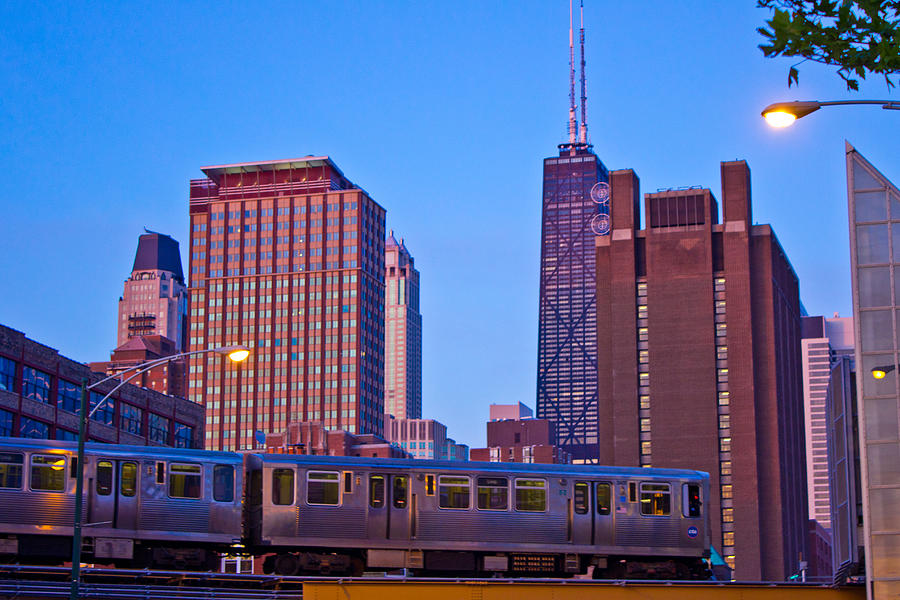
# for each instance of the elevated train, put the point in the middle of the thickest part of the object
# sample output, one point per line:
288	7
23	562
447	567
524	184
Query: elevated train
323	515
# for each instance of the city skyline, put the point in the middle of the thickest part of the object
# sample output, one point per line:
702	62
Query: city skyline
98	105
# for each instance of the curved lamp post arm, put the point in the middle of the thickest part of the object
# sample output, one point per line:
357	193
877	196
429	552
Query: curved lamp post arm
782	114
235	353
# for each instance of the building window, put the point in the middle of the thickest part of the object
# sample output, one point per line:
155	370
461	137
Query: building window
131	419
728	538
7	374
106	412
30	428
727	491
36	385
158	428
528	454
725	444
68	396
6	423
184	435
728	515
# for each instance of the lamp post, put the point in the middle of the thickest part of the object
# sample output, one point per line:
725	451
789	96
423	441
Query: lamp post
783	114
234	353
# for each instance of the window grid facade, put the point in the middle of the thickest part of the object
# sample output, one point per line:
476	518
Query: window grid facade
567	322
288	259
724	411
643	346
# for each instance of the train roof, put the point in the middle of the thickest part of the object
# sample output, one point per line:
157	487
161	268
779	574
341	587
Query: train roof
120	450
496	467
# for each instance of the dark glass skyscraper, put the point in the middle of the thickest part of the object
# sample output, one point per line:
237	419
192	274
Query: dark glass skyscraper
575	211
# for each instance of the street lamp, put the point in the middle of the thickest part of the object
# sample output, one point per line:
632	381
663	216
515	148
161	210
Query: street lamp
234	353
881	372
783	114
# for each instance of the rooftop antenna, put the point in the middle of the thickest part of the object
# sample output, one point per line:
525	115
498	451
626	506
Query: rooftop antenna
573	125
583	133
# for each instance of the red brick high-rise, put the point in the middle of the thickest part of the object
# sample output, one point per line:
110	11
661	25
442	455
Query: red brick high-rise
287	257
698	337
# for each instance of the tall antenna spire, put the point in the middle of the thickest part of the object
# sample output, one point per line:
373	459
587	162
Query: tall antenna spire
573	125
583	136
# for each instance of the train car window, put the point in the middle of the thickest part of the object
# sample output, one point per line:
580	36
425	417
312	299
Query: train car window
429	485
493	493
11	470
48	473
453	492
604	498
282	487
348	482
531	495
104	478
401	490
376	491
656	499
582	497
160	473
322	487
185	481
632	491
73	466
128	482
223	483
690	500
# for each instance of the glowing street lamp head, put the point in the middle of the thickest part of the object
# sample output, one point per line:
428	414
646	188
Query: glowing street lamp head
783	114
234	353
881	372
779	119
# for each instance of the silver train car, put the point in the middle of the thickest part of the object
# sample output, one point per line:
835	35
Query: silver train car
142	505
314	514
177	508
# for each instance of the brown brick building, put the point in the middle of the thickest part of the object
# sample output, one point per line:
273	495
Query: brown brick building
40	397
698	332
522	441
311	437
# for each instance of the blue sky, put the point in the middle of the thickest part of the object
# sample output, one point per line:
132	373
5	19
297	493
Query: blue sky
441	110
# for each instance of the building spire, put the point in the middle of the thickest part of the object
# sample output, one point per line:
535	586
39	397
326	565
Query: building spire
573	124
583	132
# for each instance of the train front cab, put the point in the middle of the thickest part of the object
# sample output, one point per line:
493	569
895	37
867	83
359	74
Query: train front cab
142	507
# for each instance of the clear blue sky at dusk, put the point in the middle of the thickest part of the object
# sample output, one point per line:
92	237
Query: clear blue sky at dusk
442	111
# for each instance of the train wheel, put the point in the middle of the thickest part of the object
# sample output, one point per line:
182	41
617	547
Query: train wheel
286	564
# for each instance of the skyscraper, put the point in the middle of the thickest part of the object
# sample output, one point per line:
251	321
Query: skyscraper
575	210
824	340
403	333
874	207
155	300
287	257
698	327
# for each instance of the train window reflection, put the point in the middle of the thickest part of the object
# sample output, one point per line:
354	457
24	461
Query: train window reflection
604	498
223	483
656	499
691	500
11	470
184	481
376	491
128	484
582	497
401	487
493	493
531	495
48	473
453	492
104	477
282	487
322	487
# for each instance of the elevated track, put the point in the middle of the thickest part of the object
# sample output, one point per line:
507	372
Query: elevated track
38	583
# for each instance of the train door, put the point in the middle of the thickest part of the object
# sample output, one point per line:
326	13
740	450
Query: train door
603	507
581	515
378	516
398	525
114	494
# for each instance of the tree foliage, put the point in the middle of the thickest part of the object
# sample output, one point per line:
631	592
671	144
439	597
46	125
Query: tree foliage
858	36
